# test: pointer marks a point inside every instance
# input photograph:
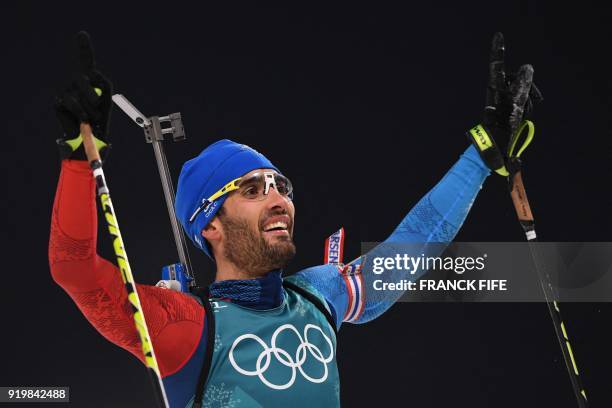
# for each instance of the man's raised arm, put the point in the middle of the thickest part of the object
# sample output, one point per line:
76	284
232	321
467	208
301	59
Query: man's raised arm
435	220
175	320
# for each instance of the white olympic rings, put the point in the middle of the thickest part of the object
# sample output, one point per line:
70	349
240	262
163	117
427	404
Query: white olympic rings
284	357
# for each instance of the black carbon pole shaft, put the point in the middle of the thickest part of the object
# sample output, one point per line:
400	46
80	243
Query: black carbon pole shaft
525	216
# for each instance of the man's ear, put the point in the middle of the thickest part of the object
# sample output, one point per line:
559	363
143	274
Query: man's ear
212	232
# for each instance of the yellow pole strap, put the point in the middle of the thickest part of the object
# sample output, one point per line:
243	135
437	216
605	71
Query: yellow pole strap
528	139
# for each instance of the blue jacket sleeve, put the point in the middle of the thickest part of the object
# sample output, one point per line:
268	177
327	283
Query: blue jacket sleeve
434	220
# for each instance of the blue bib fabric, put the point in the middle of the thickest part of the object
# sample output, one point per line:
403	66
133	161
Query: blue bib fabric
280	357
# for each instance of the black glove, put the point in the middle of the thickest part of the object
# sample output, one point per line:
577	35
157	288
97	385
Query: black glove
87	99
510	100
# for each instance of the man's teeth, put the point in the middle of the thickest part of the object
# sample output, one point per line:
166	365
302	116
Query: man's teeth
275	225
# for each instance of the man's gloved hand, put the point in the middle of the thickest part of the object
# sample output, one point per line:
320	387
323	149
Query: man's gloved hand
510	100
87	99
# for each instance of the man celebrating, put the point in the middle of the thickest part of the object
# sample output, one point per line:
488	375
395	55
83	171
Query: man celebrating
254	338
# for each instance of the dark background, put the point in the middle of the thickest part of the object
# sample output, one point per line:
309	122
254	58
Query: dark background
364	108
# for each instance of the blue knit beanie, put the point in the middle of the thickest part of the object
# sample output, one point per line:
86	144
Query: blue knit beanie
204	175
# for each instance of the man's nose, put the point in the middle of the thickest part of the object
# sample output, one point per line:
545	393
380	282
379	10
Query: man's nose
275	199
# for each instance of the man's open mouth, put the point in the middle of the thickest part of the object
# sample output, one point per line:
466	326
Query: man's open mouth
276	227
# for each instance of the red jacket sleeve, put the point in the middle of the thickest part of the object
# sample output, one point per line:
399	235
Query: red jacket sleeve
175	320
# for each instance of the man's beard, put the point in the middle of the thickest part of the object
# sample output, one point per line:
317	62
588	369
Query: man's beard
250	251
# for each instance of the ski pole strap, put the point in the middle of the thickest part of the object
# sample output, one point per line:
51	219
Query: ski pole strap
490	153
515	179
527	124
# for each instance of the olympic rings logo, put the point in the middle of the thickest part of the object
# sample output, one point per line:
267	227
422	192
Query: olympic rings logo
286	359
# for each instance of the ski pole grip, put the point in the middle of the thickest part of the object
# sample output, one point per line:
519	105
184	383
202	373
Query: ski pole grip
519	198
88	143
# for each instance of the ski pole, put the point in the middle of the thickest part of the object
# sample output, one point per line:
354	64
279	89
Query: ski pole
526	219
124	266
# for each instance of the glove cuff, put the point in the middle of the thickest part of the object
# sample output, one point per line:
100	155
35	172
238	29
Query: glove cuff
488	149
